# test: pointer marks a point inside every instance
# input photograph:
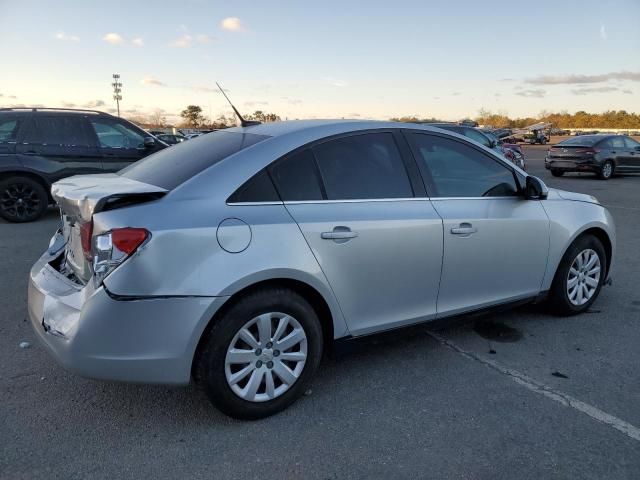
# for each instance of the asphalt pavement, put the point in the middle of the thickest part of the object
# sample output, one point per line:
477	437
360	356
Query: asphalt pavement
520	394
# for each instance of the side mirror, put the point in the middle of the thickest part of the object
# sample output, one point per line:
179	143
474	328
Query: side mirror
535	189
149	142
492	144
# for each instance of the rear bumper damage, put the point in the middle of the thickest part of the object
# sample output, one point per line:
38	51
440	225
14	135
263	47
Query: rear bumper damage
89	332
567	165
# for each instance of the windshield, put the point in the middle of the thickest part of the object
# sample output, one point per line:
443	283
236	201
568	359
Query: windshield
173	166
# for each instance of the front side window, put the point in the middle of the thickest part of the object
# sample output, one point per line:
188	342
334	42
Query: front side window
367	166
64	130
455	169
116	135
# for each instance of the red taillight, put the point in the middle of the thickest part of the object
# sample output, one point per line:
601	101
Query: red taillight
128	239
86	229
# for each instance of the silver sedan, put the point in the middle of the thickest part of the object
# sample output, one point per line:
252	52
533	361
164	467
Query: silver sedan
235	259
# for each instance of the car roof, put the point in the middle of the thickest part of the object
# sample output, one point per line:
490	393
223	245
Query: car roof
53	110
321	128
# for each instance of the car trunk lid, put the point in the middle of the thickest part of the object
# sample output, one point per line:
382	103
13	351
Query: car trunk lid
79	198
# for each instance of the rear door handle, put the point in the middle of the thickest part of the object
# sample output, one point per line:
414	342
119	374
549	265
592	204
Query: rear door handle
339	234
465	229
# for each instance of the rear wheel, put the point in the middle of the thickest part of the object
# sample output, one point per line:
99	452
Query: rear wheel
22	199
260	356
557	173
606	172
579	277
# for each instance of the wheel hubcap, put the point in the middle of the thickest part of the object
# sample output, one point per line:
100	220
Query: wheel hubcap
266	357
584	277
606	170
19	201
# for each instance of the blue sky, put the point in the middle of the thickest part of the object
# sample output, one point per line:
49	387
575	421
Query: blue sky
303	59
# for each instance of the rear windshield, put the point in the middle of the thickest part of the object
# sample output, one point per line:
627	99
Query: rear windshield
581	141
175	165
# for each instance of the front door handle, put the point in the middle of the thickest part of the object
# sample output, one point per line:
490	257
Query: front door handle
339	234
465	229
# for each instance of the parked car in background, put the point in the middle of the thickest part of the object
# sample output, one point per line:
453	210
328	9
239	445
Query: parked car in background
516	156
234	258
39	146
170	138
604	155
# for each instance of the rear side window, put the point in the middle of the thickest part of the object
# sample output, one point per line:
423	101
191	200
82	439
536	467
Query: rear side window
173	166
258	189
365	166
112	134
64	130
296	177
9	125
617	142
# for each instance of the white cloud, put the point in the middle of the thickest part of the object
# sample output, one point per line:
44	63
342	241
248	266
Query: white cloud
204	38
233	24
336	82
536	93
184	41
586	91
603	32
578	78
94	103
137	42
113	38
151	80
627	92
66	37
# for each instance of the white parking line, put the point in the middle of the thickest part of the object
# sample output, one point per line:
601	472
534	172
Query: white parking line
547	391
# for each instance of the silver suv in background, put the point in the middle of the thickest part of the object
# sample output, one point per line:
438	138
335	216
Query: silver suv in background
235	258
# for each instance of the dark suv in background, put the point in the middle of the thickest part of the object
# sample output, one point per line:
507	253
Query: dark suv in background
603	155
39	146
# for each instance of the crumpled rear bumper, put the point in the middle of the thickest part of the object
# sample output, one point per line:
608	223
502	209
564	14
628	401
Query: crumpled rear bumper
149	340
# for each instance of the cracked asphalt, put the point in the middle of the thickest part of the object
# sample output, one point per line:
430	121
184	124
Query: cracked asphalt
410	404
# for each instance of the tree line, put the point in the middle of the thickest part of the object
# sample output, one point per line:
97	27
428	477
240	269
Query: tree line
192	117
581	119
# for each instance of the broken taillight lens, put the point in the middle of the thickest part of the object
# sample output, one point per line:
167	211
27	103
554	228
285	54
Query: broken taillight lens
86	229
112	248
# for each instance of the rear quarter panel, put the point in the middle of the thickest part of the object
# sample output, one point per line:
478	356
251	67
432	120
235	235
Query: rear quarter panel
186	259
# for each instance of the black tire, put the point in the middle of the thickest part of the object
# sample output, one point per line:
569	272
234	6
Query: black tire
607	171
557	173
22	199
209	369
558	300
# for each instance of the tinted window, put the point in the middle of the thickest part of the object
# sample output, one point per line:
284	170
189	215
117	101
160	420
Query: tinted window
631	143
170	167
363	167
476	136
9	125
258	189
296	177
113	134
455	169
58	130
616	142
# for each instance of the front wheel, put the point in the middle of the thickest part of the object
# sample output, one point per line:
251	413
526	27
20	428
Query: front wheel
261	354
579	277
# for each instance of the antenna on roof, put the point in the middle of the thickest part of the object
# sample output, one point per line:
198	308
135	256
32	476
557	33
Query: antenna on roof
243	122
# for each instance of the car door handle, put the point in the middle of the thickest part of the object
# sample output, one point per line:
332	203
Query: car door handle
339	233
464	229
30	152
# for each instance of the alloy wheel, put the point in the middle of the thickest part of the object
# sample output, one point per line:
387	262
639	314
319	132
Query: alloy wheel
266	357
583	277
19	201
607	170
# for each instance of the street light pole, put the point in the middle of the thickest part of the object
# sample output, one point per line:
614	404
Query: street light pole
117	90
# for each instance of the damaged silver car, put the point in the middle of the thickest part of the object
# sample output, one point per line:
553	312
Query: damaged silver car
237	257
